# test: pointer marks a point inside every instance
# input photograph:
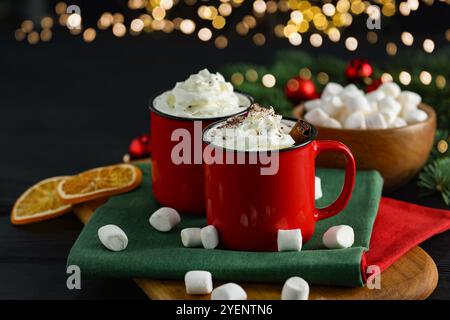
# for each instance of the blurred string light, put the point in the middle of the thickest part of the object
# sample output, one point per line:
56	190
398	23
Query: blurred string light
351	43
221	42
425	77
268	80
407	38
320	19
404	77
386	77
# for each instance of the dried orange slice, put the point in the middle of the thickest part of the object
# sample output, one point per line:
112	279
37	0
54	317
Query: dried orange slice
40	202
99	182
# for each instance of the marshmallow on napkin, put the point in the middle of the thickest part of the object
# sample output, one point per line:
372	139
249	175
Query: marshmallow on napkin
112	237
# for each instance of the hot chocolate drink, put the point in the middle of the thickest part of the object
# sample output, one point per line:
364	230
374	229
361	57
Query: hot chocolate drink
261	129
203	95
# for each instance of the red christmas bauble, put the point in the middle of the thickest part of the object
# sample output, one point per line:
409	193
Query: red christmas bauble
374	85
358	69
298	89
140	147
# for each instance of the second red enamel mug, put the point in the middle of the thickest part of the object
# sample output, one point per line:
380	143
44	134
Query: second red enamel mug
179	185
248	208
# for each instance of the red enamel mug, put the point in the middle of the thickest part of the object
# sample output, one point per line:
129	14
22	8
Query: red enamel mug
179	185
249	208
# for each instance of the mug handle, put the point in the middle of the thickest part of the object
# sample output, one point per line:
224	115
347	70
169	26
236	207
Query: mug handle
350	171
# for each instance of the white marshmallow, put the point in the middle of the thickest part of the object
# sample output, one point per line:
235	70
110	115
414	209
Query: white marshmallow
390	89
191	237
409	97
373	107
295	288
317	188
407	109
342	116
390	105
339	237
164	219
389	117
289	240
229	291
355	120
376	95
350	91
316	116
332	105
112	237
312	104
358	103
376	121
331	89
398	123
332	123
209	237
198	282
416	116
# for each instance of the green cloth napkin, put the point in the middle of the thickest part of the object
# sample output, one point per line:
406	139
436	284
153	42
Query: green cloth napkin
157	255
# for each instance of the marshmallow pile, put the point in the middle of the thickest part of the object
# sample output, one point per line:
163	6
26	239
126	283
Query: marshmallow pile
349	108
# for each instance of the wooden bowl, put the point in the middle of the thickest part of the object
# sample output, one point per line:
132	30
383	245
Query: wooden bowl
398	153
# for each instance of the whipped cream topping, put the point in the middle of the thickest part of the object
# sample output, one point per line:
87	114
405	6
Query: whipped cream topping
202	95
260	130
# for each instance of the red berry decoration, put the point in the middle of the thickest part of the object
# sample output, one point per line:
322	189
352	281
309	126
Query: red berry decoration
374	85
358	69
298	89
140	147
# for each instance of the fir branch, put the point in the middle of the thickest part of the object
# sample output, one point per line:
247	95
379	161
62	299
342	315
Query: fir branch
436	177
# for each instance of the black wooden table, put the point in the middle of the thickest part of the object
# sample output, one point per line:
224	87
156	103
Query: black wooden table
67	106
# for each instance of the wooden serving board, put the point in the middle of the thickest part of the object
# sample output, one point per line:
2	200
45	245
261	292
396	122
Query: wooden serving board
414	276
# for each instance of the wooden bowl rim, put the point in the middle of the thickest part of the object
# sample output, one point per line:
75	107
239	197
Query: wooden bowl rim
428	109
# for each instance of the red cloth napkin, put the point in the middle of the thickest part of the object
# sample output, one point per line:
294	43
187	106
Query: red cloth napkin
399	227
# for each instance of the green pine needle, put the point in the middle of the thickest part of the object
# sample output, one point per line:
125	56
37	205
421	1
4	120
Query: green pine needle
436	177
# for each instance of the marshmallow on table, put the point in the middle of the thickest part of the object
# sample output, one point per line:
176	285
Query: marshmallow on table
416	116
295	288
198	282
316	116
289	240
356	120
164	219
113	238
409	97
390	89
376	121
332	123
229	291
191	237
339	237
317	188
209	237
312	104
